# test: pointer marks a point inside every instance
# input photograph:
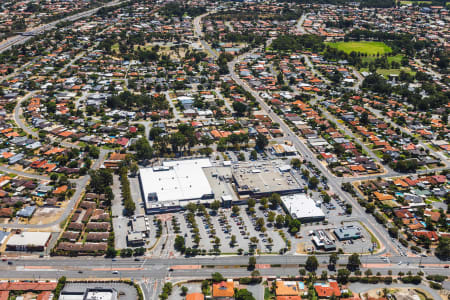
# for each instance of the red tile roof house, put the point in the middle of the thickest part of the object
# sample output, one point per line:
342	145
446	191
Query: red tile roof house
432	235
28	286
223	290
4	295
326	290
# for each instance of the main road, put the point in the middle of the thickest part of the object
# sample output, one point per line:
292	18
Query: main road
21	38
200	267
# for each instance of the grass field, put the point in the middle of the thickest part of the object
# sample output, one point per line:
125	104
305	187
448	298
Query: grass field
371	48
115	48
396	58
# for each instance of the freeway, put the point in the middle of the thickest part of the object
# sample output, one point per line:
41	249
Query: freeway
20	39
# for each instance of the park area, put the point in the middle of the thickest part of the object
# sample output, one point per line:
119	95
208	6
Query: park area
369	48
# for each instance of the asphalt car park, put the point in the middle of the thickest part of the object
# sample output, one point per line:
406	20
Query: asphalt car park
224	225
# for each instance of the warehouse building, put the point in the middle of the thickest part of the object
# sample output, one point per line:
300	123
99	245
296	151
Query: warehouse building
28	241
348	233
175	184
302	207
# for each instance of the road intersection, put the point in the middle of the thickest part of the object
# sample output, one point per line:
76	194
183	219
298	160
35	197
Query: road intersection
157	268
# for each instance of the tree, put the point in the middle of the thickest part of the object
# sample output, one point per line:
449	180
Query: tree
215	205
111	252
275	200
217	277
100	180
261	141
217	242
333	259
393	231
184	290
270	217
134	169
240	108
155	132
364	119
143	149
260	222
313	182
251	263
241	156
192	207
235	209
294	225
251	203
353	262
253	155
343	275
180	244
443	248
233	240
279	221
311	263
243	294
295	163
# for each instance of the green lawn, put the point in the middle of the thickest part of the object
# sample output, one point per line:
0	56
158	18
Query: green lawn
396	58
371	48
115	47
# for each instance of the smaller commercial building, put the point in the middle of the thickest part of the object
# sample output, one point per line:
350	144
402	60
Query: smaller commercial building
302	207
283	150
135	239
28	241
140	231
140	224
97	293
323	241
348	233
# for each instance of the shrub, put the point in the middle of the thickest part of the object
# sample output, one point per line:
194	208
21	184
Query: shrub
435	285
437	277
